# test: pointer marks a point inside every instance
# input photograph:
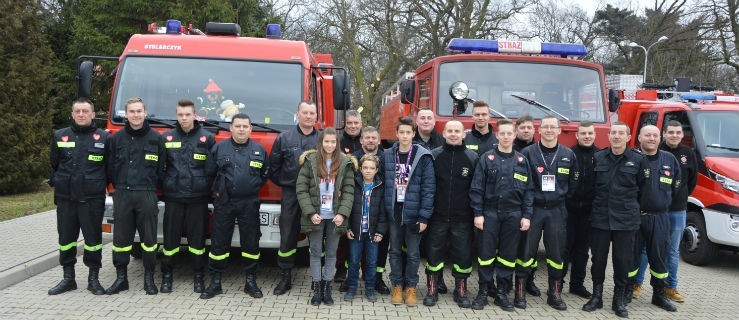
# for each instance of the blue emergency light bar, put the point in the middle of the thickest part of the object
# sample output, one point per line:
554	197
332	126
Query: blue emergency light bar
174	27
273	31
508	46
697	96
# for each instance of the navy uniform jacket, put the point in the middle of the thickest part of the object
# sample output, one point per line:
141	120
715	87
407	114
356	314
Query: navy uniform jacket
502	183
620	182
136	158
185	179
240	169
478	142
283	161
665	182
563	166
688	174
78	163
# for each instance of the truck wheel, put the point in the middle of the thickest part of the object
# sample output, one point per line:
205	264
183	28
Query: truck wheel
136	250
695	248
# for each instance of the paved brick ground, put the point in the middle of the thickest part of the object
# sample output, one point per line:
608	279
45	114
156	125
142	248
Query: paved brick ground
712	293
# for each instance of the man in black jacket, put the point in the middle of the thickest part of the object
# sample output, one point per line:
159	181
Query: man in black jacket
525	138
451	222
79	180
555	175
239	167
501	199
426	134
186	193
481	137
135	167
621	179
579	206
350	143
284	167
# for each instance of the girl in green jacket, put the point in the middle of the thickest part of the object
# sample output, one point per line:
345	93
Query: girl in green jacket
325	190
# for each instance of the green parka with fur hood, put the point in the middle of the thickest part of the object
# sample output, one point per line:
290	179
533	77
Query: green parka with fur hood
309	194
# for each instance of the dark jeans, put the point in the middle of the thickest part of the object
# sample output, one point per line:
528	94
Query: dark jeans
404	236
356	247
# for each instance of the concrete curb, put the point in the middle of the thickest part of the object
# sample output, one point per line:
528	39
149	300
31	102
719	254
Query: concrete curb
31	268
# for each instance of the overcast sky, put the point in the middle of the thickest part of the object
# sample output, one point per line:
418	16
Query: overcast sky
591	5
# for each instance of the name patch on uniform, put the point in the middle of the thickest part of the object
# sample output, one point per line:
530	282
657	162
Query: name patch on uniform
65	144
563	170
151	157
199	156
665	180
255	164
95	158
170	145
472	146
99	145
521	177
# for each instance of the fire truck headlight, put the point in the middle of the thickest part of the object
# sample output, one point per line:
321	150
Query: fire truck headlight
728	183
734	224
459	90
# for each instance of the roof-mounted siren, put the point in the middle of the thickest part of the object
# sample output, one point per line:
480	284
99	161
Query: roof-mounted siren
174	27
222	29
273	31
508	46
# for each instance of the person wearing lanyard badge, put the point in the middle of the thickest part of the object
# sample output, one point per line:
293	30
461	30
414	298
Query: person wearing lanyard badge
555	174
410	185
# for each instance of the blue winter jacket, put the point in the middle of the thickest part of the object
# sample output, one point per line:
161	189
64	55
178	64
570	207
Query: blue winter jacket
419	197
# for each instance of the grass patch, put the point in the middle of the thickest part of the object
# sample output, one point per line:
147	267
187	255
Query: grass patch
20	205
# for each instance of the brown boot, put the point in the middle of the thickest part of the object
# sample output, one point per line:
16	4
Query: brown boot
637	291
410	297
397	295
674	295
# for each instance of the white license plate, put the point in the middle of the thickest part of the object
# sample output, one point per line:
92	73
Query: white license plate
264	218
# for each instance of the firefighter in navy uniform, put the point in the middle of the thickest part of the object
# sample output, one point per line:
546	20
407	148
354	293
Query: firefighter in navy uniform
451	224
481	137
655	224
579	206
555	173
79	180
186	193
525	138
239	166
501	198
284	168
136	159
621	178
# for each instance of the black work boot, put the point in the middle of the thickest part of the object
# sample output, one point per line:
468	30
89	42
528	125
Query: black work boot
554	295
317	293
68	282
93	282
629	291
166	282
340	274
285	282
214	288
580	290
250	286
198	284
460	293
433	290
531	287
618	305
441	287
501	296
343	287
596	300
492	289
482	298
121	281
327	299
380	285
149	286
519	297
659	298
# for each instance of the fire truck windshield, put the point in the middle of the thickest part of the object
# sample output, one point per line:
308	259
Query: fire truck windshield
573	91
718	132
266	91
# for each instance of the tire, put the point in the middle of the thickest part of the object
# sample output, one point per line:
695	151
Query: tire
695	247
136	250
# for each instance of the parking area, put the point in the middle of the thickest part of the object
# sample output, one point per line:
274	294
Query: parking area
712	293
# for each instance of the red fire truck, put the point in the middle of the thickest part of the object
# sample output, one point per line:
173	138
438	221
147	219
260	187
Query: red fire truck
711	125
514	77
217	69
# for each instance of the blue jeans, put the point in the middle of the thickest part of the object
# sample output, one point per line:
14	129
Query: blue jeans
677	225
356	246
402	236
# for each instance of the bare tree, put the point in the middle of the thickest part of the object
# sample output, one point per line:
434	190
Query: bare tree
722	32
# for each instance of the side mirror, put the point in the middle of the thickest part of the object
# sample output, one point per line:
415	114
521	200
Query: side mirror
341	91
408	91
613	100
84	79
